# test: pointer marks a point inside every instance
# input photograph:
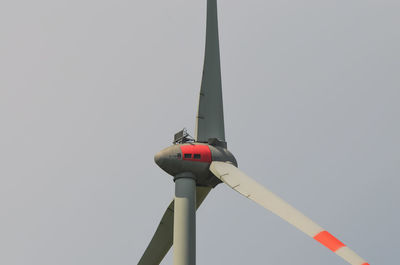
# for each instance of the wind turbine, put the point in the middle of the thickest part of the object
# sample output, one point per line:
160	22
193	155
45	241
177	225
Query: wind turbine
199	164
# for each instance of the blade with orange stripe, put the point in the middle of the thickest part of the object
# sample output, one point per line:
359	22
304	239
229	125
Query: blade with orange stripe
249	188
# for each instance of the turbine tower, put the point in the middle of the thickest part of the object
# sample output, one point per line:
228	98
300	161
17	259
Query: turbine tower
198	165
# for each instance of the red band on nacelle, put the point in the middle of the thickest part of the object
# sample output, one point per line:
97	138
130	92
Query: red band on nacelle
198	149
329	241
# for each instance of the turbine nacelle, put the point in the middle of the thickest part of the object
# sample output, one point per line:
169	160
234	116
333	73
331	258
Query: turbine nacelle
195	158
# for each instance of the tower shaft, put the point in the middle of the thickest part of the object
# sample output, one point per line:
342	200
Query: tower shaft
185	220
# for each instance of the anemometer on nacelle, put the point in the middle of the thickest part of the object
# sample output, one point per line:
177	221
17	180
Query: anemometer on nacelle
183	136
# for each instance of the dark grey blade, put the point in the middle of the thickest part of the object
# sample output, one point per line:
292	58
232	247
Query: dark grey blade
162	239
210	115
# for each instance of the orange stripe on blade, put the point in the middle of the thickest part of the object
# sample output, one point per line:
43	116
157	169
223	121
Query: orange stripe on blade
329	241
365	263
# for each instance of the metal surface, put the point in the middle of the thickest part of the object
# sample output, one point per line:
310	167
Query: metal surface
210	115
185	219
249	188
162	240
172	160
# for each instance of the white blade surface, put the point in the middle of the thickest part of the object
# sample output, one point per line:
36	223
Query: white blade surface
246	186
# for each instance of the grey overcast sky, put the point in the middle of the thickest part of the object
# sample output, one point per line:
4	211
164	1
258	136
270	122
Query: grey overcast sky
91	90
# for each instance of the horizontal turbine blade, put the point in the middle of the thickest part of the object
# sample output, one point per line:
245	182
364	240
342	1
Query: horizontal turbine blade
249	188
163	237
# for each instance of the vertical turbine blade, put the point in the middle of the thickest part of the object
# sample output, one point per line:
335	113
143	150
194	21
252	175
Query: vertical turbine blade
210	115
